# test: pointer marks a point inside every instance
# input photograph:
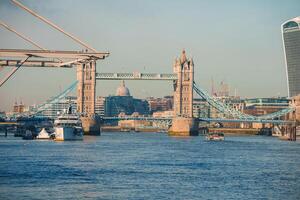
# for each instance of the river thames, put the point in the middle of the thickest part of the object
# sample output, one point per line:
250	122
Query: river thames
150	166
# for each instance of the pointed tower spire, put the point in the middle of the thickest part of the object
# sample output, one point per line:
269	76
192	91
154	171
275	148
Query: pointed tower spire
192	62
182	57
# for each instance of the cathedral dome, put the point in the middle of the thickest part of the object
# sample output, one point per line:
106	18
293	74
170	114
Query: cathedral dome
123	90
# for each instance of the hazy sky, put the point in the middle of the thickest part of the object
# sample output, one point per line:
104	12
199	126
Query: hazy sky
234	40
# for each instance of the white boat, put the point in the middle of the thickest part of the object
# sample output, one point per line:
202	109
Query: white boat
43	135
277	131
215	136
68	127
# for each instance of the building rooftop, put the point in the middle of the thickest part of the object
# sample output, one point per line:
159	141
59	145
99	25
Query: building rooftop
292	23
122	90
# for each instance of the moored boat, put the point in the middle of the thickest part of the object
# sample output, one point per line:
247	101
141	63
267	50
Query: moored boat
68	127
43	135
215	136
28	135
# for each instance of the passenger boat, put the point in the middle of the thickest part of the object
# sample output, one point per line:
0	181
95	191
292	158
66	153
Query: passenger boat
68	127
215	136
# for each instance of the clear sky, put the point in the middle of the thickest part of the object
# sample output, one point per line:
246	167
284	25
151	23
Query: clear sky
238	41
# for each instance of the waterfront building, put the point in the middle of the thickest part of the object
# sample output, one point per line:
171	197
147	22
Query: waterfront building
232	101
201	108
162	114
160	104
263	106
291	46
99	105
2	115
123	102
134	124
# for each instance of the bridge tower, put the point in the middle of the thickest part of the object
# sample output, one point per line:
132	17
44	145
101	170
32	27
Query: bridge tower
183	123
86	90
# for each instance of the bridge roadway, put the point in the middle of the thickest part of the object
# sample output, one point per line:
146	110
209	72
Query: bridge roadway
8	123
168	120
264	121
135	76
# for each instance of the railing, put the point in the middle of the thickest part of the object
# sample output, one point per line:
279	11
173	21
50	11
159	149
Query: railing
169	120
137	118
135	76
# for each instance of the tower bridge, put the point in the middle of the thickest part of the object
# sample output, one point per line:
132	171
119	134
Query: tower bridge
182	78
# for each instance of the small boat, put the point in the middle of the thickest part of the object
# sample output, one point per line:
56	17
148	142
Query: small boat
124	129
284	137
215	136
28	135
43	135
68	127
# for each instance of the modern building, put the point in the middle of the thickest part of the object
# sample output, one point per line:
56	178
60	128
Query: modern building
263	106
99	105
124	103
291	45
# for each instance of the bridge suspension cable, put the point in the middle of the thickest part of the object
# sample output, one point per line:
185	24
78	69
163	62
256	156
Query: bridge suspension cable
229	111
223	108
44	106
47	104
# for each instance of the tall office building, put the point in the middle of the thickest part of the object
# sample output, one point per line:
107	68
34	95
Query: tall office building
291	45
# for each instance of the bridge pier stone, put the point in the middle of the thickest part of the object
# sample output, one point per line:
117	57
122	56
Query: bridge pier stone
183	126
91	125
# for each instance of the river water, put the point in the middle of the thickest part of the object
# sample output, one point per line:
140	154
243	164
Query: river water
150	166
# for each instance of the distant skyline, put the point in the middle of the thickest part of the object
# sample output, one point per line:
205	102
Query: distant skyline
236	41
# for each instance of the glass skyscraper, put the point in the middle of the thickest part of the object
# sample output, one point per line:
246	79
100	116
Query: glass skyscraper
291	45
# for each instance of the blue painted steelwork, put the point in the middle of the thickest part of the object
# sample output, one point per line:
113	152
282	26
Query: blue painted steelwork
277	114
201	119
235	114
231	114
263	121
44	106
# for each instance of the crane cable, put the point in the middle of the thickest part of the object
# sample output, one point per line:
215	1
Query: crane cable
52	24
